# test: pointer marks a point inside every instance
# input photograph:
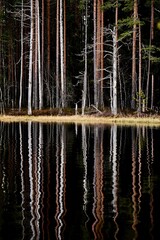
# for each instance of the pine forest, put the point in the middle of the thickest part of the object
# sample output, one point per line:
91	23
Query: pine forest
79	54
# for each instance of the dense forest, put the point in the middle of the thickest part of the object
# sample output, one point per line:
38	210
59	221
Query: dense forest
80	54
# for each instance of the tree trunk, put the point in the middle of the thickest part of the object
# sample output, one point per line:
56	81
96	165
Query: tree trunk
30	59
40	102
140	71
65	53
149	58
84	94
49	40
114	110
42	48
94	52
62	54
102	57
57	56
134	54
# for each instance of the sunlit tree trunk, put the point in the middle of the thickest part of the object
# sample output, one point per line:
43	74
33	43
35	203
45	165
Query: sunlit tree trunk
35	60
84	94
21	71
98	50
65	52
114	107
48	40
149	58
62	54
94	52
135	17
152	38
57	56
140	71
40	95
115	59
102	57
42	48
30	59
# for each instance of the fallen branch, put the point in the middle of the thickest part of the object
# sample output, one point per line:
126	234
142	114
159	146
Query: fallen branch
96	109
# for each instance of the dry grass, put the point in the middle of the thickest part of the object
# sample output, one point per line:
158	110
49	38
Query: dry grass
153	120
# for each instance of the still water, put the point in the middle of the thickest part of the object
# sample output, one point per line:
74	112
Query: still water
79	182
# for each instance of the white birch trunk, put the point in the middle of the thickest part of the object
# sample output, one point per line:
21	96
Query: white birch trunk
39	60
30	60
84	95
57	55
62	53
21	73
114	109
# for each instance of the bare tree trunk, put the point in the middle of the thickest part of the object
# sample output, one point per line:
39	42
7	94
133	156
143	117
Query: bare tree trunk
149	59
49	40
102	57
84	94
98	53
65	53
134	55
22	46
62	54
152	92
94	52
30	60
140	71
40	104
35	77
114	110
42	48
57	56
152	38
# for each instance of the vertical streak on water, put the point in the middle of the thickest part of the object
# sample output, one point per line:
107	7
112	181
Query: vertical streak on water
35	178
84	149
140	138
151	186
61	186
22	179
134	194
98	205
39	183
31	178
114	176
57	179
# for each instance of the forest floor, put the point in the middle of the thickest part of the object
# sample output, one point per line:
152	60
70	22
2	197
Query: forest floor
93	116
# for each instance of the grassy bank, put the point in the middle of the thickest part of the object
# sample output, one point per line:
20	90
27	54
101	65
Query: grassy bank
87	119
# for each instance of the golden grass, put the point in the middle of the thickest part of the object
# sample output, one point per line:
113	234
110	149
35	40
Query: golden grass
154	121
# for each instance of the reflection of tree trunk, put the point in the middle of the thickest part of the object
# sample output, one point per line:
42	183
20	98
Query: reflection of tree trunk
134	185
84	149
22	179
60	182
135	10
98	205
113	152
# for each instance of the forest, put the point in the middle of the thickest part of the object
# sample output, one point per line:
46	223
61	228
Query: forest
79	54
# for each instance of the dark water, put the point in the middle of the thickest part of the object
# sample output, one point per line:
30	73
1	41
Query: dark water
79	182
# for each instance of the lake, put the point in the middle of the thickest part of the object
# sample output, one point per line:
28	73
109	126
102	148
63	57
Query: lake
80	182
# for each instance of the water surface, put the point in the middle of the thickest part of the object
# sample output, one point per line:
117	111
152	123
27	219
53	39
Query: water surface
79	182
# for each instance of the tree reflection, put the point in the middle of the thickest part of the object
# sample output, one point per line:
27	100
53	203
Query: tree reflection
57	179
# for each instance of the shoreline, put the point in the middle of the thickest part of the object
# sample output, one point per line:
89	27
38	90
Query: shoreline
86	119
